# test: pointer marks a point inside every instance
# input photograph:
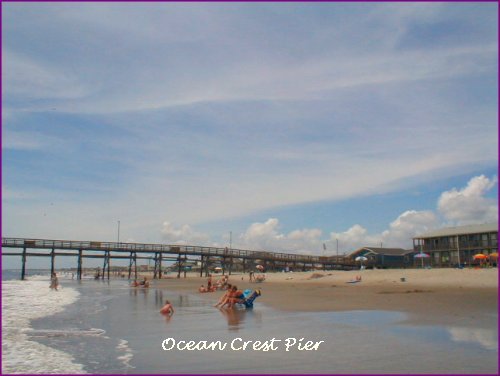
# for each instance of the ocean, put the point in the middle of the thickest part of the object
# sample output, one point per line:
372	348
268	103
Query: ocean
102	327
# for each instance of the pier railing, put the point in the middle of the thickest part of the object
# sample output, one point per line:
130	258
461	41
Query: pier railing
165	249
158	253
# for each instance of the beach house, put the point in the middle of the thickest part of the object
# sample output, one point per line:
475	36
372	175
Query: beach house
383	257
454	246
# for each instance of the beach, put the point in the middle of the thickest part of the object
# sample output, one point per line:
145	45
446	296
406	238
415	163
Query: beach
429	321
466	297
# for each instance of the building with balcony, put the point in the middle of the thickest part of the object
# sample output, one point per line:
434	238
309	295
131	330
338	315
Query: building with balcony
457	245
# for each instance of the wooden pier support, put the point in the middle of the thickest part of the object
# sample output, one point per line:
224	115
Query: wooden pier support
52	261
207	265
202	266
105	264
179	266
157	269
79	266
23	269
133	261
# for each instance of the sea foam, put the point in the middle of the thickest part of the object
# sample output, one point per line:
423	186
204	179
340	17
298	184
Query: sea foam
23	301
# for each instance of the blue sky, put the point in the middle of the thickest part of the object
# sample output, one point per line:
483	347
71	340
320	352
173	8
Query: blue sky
291	125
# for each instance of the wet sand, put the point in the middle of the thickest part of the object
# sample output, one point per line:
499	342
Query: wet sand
465	297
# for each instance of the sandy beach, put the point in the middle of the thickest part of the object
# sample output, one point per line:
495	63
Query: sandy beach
466	297
440	321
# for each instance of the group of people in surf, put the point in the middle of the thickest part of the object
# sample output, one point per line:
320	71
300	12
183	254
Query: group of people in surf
221	284
232	295
256	278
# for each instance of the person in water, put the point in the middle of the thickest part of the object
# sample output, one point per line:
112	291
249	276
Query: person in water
233	296
224	297
144	282
209	282
167	309
236	297
54	282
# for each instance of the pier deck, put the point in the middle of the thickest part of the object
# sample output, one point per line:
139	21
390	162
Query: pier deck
163	252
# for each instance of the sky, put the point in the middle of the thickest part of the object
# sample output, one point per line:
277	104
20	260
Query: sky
263	126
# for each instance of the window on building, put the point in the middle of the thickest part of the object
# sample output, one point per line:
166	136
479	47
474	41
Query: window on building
493	237
484	240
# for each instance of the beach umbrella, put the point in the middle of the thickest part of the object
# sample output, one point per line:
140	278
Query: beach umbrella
421	256
260	267
480	256
494	255
360	258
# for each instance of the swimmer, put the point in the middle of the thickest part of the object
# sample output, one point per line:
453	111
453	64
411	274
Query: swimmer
167	309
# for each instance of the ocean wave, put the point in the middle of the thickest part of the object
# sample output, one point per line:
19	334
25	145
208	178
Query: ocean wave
127	353
92	332
23	301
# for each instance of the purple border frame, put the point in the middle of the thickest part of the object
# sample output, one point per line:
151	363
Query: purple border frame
247	1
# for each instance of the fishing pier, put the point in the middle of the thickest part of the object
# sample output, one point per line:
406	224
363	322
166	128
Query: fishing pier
180	255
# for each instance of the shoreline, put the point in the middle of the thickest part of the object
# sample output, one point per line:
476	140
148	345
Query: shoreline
459	297
456	304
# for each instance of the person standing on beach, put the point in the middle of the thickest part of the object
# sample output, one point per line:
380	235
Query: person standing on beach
54	282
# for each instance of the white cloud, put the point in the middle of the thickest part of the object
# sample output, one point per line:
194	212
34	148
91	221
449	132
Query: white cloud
229	60
469	205
263	235
351	238
408	225
183	235
267	235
